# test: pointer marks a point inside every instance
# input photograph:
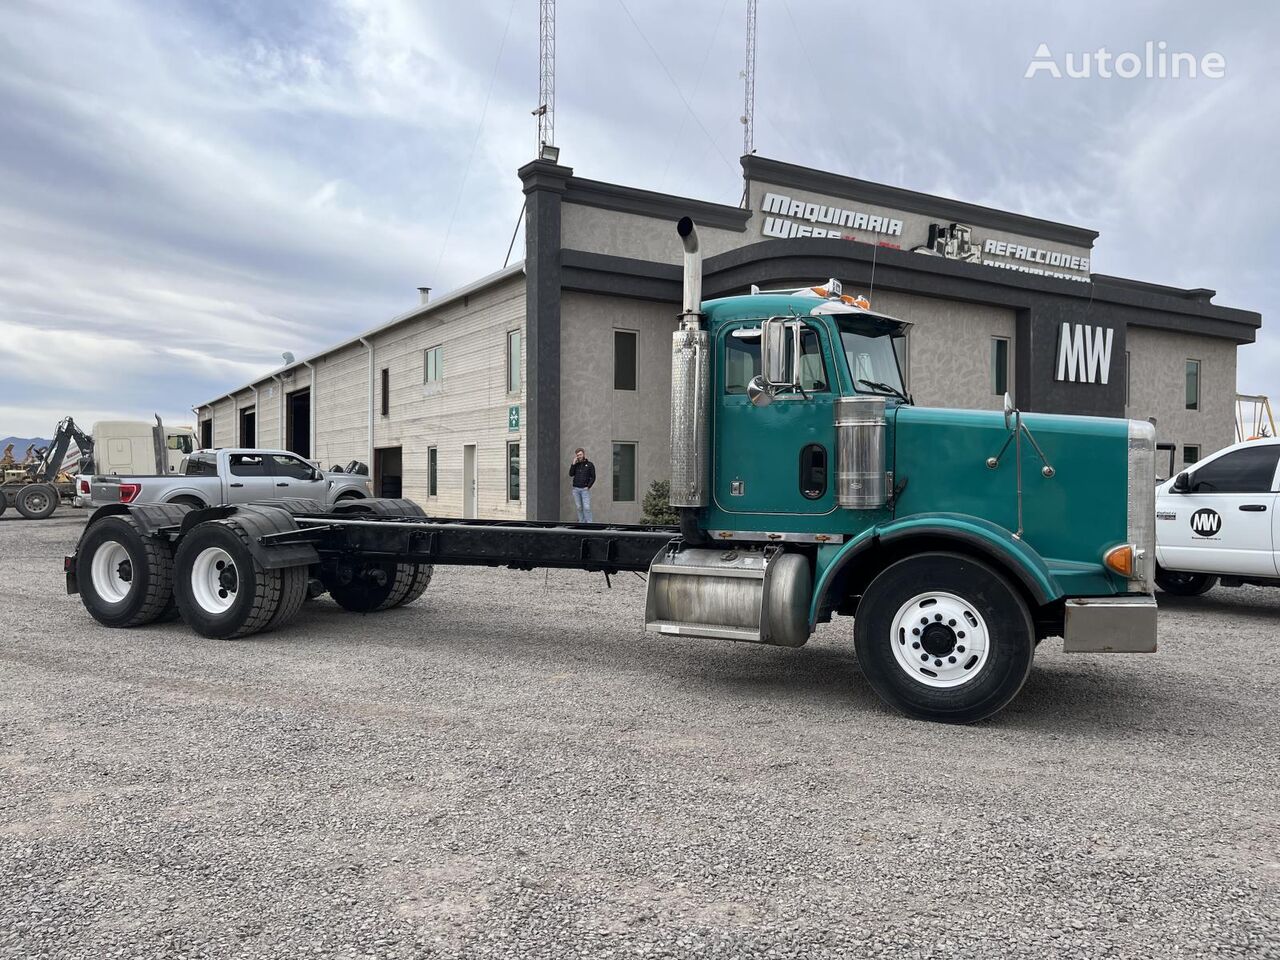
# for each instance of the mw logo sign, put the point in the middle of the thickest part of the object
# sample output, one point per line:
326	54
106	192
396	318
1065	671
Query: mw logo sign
1084	353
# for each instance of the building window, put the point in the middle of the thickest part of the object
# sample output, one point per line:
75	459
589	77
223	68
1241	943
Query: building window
513	471
624	359
513	361
386	391
1190	454
624	472
1128	378
1193	384
206	434
999	366
433	365
433	465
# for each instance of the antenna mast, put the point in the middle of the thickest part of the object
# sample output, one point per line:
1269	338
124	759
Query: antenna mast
749	78
546	111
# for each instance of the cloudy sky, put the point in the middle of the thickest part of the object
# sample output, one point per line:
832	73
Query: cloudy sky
190	187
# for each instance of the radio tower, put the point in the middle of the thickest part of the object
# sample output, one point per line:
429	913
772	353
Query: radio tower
546	111
749	78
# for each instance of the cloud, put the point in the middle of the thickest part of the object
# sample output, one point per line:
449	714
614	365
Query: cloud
191	188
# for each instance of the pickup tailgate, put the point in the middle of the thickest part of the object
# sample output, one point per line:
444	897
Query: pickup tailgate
105	490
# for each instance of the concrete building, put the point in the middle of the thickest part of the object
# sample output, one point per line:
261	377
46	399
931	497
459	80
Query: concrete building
472	404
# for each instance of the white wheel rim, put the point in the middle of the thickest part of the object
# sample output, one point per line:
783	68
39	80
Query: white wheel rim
112	572
214	580
940	639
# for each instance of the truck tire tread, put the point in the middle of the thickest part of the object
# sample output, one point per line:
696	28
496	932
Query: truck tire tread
421	580
266	601
156	600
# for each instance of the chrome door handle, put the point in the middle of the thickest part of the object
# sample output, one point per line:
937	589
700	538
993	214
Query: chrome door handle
1253	507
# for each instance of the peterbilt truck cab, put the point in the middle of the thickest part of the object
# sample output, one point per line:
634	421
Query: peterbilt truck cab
809	484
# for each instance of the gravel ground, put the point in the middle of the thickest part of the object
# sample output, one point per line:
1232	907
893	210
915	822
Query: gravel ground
512	768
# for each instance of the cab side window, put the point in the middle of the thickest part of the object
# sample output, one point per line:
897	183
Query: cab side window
247	465
201	467
291	467
1250	470
813	374
742	361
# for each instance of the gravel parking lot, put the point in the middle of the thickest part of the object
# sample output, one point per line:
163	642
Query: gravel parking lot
512	768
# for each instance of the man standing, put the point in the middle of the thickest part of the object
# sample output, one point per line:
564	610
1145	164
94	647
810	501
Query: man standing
583	474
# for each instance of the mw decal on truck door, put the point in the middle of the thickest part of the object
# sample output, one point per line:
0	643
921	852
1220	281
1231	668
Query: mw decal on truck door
1206	523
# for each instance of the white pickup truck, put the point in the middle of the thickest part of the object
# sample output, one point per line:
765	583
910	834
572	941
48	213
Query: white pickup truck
1219	521
212	478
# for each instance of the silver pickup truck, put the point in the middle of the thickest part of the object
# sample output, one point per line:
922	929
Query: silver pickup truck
211	478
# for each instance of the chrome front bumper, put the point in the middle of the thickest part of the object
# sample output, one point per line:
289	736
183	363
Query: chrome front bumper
1125	624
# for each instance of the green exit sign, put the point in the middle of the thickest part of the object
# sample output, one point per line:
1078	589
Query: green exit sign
513	417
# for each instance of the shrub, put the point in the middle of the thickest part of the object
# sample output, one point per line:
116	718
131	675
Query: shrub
657	510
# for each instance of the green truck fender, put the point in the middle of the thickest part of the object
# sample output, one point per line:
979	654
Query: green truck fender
854	563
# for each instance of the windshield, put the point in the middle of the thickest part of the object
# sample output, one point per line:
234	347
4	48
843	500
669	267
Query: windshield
873	361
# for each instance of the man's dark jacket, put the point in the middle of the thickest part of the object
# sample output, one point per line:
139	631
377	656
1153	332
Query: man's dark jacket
583	474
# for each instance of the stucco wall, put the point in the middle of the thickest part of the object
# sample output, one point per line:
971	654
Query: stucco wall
594	415
637	237
1157	388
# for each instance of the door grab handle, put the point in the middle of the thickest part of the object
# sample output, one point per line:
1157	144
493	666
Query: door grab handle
237	484
1253	507
281	484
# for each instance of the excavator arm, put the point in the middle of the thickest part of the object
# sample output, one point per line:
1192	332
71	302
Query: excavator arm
52	459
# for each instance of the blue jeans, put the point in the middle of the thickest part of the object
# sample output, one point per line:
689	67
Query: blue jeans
582	500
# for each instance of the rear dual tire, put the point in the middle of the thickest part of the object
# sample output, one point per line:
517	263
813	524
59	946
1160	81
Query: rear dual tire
379	586
125	579
944	637
224	593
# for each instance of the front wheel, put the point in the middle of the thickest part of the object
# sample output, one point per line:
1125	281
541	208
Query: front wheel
941	636
1184	584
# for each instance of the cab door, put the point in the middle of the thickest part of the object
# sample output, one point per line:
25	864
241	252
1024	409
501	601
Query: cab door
776	460
294	477
249	478
1226	522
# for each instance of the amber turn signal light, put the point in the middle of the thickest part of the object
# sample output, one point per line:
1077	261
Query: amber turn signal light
1120	559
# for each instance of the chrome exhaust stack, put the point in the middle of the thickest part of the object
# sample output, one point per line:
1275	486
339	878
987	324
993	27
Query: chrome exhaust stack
690	388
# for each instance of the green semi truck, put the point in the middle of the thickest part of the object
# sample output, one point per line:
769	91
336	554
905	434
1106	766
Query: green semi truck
808	486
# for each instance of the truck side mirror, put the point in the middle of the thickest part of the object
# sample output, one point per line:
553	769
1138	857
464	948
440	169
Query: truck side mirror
1181	483
773	352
